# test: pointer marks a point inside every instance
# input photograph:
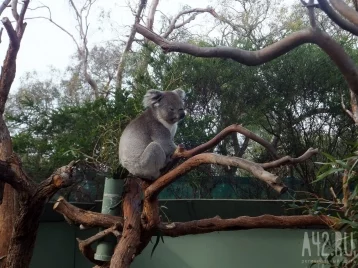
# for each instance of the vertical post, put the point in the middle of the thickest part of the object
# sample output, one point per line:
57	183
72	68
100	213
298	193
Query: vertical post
110	205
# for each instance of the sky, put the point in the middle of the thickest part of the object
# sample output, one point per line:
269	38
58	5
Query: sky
44	45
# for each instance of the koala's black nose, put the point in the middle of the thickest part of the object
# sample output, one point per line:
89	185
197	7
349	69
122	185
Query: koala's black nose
181	114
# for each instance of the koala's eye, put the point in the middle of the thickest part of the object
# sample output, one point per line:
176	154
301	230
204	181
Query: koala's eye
171	108
181	109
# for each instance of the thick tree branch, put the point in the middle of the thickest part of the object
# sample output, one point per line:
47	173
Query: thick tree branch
244	222
345	10
252	58
127	248
344	24
89	219
222	135
4	5
209	158
11	32
217	224
12	173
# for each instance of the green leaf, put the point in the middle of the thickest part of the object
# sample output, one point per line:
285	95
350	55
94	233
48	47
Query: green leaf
155	245
329	172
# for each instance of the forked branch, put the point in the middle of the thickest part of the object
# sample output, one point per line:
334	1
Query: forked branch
222	135
258	170
85	245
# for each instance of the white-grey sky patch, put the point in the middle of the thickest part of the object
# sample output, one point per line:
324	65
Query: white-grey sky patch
45	45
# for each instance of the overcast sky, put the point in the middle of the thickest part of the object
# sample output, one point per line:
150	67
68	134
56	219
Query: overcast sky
44	45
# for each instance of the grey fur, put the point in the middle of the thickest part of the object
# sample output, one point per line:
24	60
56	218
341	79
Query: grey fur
147	143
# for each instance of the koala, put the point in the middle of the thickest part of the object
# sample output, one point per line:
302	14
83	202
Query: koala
147	143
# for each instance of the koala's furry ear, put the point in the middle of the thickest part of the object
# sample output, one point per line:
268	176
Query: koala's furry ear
151	97
180	92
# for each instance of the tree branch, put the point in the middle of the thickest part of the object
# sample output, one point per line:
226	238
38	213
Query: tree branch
151	14
345	25
14	10
209	158
345	10
217	224
11	172
252	58
173	25
4	5
87	218
127	247
129	43
85	245
14	40
222	135
242	223
289	160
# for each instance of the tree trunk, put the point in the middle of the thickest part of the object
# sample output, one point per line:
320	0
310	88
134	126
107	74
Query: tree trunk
127	248
8	209
25	229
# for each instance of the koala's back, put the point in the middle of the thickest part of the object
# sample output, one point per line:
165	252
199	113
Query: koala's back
138	134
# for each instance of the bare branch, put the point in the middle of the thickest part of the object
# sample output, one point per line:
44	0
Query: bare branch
173	25
289	160
222	135
14	40
346	11
87	218
209	158
20	26
129	43
346	25
242	223
58	26
311	14
151	13
14	9
4	5
85	245
217	224
78	15
252	58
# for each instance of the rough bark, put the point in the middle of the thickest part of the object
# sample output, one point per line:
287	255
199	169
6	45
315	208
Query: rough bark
127	248
8	207
215	224
79	216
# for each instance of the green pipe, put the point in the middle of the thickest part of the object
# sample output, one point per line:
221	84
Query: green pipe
111	205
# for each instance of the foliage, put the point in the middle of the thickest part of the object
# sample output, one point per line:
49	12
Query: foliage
345	211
